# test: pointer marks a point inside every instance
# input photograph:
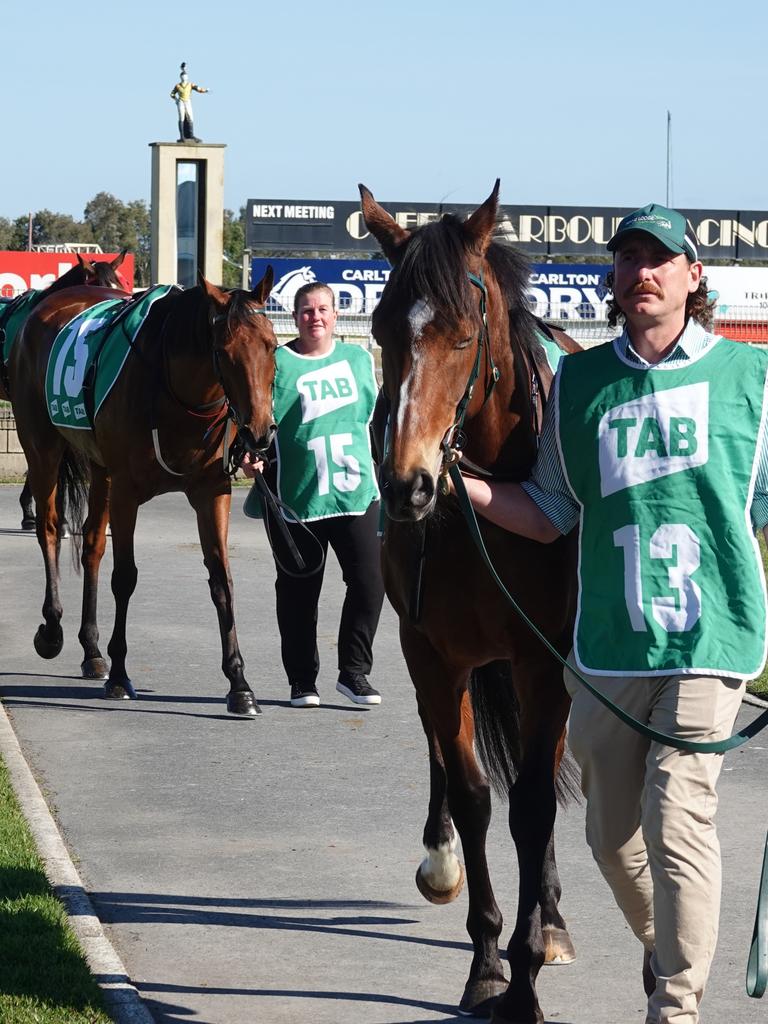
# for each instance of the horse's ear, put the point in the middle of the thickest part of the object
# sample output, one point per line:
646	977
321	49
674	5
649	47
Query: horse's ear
478	229
382	226
262	290
118	259
217	295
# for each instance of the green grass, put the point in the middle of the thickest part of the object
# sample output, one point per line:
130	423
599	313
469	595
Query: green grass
44	978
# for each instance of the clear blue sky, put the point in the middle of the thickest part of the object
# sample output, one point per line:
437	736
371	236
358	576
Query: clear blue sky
564	101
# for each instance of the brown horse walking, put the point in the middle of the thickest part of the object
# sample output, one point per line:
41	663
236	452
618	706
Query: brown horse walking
201	357
99	273
461	356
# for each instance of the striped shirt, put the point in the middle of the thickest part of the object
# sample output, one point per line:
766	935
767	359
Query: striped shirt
548	485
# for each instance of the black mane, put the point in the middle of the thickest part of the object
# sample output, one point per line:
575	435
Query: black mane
433	268
240	307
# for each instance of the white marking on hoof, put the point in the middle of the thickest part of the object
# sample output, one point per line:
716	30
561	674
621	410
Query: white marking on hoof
441	869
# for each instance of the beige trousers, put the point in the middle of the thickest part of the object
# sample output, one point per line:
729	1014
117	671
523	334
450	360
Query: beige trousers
650	820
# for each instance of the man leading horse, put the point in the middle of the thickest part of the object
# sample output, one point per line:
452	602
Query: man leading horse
656	446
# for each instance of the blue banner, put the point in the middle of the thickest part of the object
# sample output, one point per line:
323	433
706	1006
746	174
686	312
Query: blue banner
557	291
569	291
357	284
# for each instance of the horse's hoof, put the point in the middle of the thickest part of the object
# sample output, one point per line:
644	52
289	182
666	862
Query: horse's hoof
122	690
48	648
243	703
480	996
439	895
558	948
28	523
94	668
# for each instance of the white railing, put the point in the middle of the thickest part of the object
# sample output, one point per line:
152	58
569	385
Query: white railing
742	323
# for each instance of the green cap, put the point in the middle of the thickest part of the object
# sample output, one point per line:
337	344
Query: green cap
668	226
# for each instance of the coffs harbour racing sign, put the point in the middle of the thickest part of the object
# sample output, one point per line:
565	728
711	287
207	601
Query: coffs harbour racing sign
280	225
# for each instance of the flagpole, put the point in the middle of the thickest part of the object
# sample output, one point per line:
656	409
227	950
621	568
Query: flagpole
669	140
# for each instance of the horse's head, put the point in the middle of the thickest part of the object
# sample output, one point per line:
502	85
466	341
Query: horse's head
104	274
244	347
432	323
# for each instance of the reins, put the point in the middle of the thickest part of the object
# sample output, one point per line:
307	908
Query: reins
757	967
451	446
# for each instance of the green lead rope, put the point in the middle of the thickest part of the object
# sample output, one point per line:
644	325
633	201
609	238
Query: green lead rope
757	965
757	969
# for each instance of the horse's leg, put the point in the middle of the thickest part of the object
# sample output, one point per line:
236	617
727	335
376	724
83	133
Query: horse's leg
532	807
124	575
443	698
558	946
213	527
27	506
49	638
440	876
94	665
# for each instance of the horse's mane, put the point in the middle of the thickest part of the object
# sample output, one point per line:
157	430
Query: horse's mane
240	307
433	268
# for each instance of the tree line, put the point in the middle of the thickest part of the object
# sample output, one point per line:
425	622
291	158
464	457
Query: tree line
115	225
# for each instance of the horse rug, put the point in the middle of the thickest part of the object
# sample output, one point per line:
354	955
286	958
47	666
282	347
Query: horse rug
88	354
12	316
552	350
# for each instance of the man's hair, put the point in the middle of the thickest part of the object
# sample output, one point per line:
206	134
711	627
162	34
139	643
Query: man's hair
698	306
313	286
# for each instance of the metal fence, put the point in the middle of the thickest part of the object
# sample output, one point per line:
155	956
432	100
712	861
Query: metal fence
741	323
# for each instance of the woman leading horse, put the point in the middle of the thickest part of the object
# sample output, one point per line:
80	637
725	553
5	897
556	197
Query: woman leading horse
465	373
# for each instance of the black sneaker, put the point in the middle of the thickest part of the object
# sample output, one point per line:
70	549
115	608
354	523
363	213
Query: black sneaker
355	686
304	695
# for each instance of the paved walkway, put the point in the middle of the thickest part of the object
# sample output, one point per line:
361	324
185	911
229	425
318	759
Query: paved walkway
260	872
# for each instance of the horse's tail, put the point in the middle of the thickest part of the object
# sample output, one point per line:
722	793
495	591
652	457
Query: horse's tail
498	741
72	497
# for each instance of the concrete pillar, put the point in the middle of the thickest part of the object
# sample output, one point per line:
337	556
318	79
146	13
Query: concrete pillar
209	161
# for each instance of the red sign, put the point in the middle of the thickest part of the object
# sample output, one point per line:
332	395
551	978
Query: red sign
20	271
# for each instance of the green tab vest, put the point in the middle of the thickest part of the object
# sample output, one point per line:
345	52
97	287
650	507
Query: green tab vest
663	462
323	406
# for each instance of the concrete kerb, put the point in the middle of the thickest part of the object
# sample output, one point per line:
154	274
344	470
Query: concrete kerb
121	999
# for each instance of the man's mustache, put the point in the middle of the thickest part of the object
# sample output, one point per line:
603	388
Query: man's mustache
643	288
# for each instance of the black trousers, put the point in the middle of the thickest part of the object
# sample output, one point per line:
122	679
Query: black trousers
354	541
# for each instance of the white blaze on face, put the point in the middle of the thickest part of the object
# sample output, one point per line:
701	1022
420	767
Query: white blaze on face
420	316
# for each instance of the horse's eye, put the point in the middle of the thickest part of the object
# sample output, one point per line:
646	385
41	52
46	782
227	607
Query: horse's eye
463	344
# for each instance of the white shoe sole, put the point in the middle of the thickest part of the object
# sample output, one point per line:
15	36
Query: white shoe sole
309	700
373	699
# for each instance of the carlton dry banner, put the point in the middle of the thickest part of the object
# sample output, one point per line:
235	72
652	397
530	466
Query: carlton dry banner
277	225
557	291
357	284
20	271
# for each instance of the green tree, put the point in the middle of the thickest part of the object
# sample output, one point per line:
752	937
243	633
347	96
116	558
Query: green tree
6	233
50	228
116	225
234	245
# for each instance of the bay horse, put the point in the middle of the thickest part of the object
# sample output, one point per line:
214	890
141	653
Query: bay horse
99	273
454	312
200	358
